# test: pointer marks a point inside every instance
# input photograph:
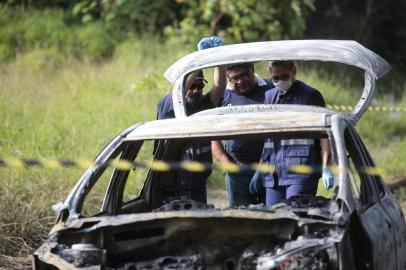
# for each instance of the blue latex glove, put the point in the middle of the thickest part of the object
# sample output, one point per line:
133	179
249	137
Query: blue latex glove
328	178
211	42
204	43
256	183
216	41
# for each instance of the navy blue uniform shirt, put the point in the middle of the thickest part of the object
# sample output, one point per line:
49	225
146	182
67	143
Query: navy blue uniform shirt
287	152
299	93
165	107
245	151
198	151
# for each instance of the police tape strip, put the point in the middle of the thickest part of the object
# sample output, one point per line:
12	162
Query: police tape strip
162	166
371	108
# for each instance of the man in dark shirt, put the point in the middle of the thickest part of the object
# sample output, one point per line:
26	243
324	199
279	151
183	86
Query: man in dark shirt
283	183
244	88
193	184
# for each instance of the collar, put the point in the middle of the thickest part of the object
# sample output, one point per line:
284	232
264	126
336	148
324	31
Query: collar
260	81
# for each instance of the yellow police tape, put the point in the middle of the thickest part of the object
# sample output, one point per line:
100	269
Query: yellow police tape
162	166
348	108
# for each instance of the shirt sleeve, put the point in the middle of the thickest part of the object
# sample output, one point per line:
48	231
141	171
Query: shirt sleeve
159	110
225	99
317	99
165	108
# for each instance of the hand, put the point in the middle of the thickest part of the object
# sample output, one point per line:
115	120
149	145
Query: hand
216	41
328	178
211	42
256	183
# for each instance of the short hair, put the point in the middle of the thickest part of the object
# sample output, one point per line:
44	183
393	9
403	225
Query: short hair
247	66
287	64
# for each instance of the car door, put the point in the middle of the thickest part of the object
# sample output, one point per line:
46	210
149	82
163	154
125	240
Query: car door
392	208
375	221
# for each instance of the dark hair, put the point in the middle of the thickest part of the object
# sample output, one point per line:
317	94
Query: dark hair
247	66
199	75
287	64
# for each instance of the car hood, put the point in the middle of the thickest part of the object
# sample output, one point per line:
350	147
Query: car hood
255	213
189	239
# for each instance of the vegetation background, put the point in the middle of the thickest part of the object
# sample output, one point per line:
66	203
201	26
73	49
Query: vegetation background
75	73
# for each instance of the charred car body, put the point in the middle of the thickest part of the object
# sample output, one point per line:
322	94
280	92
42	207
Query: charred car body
359	226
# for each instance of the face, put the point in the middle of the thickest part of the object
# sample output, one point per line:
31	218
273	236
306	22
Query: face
242	79
194	94
283	73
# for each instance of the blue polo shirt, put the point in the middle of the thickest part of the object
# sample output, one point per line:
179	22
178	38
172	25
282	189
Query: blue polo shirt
245	151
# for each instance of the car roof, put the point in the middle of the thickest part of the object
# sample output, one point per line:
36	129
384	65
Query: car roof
341	51
236	120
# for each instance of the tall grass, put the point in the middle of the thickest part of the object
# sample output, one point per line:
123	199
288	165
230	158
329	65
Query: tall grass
66	110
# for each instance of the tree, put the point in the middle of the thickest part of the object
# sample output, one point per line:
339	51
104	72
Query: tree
242	21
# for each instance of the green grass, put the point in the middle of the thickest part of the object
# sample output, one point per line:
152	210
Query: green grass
55	106
69	110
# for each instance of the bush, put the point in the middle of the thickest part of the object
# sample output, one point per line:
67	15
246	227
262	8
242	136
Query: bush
45	29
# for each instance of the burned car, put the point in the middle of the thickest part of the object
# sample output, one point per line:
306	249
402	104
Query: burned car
359	225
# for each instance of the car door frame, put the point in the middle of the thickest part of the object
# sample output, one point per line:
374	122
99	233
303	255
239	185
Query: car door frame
374	218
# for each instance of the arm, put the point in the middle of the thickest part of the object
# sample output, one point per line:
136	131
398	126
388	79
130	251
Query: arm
327	176
216	92
219	152
318	100
219	76
325	152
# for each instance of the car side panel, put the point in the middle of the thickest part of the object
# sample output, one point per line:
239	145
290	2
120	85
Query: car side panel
376	224
398	227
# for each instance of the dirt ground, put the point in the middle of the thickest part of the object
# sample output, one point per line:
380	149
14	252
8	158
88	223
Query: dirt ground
21	263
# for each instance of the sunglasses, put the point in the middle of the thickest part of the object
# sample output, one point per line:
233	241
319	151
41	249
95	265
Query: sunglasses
199	85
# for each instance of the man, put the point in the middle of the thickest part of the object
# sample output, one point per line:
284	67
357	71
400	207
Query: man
193	185
283	183
244	88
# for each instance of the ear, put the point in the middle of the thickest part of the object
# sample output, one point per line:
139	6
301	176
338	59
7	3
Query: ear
294	70
270	70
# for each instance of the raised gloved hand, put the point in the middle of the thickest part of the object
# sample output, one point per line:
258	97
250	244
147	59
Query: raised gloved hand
256	183
216	41
211	42
328	178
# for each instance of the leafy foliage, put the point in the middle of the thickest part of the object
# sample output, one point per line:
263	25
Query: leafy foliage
242	21
127	16
47	29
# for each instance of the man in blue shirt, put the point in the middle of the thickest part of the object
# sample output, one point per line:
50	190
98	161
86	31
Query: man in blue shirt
244	88
193	184
284	183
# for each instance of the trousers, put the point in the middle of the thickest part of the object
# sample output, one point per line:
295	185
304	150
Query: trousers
278	193
237	185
